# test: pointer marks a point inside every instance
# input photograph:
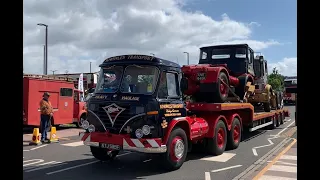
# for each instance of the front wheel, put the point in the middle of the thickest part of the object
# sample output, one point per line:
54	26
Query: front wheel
177	149
103	154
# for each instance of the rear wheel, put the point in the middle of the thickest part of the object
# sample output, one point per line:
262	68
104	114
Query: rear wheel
177	149
217	145
222	92
234	135
103	154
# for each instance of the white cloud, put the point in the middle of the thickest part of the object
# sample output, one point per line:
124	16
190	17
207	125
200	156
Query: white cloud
287	67
90	30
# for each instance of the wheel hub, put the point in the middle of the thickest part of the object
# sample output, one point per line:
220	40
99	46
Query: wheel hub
179	149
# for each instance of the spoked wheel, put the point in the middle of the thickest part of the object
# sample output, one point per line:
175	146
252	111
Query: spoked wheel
222	92
103	154
217	145
177	149
234	135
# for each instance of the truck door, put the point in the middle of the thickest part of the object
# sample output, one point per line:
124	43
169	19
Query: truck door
169	95
65	106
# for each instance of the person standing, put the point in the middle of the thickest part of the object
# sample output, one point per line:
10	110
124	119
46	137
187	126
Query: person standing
46	115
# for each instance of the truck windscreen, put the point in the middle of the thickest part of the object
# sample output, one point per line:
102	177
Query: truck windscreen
289	83
109	79
139	79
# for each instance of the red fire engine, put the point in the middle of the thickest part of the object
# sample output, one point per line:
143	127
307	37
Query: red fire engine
65	100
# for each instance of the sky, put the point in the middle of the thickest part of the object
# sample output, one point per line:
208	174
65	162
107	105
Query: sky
84	31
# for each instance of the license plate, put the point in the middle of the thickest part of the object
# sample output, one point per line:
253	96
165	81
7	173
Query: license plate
110	146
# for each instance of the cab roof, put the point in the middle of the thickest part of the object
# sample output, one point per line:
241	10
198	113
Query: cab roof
226	46
138	58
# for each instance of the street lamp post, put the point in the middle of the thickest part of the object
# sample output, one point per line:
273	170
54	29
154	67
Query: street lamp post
187	57
44	59
90	67
53	71
46	48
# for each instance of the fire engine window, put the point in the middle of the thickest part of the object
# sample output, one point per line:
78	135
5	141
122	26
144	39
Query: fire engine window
168	85
220	53
76	98
203	55
66	92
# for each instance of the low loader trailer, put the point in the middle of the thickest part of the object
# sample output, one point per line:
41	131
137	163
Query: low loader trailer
142	109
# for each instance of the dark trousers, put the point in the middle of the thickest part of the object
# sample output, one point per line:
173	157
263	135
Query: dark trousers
44	126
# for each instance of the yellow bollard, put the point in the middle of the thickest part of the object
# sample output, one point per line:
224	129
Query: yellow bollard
35	137
53	135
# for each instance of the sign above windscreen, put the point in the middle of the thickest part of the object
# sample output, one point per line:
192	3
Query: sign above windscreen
130	57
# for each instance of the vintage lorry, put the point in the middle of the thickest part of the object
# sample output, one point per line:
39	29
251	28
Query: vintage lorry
65	100
142	109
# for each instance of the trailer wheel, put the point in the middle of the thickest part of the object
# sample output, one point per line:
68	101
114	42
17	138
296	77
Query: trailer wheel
274	124
103	154
217	145
177	150
222	92
281	117
234	135
277	120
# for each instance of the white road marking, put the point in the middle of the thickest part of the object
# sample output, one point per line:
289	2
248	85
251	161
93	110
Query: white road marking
207	176
266	177
221	158
26	150
46	165
35	162
288	157
254	151
73	167
289	120
74	144
283	168
226	168
38	147
80	165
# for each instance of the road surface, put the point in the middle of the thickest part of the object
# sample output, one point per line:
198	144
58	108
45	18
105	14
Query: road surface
72	160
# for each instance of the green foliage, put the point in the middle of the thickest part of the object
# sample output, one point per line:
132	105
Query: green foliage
276	80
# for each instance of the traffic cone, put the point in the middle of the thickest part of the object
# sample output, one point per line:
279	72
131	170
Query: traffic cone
53	135
35	137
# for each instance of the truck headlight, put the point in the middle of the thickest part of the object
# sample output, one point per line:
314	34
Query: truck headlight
146	130
139	133
91	128
85	124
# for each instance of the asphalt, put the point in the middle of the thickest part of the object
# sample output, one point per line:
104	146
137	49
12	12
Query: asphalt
58	161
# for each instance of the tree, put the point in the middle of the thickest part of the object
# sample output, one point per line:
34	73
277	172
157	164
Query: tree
276	80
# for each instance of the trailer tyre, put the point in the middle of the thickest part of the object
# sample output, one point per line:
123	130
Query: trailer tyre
222	92
281	117
177	149
234	135
103	154
217	145
278	119
273	125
